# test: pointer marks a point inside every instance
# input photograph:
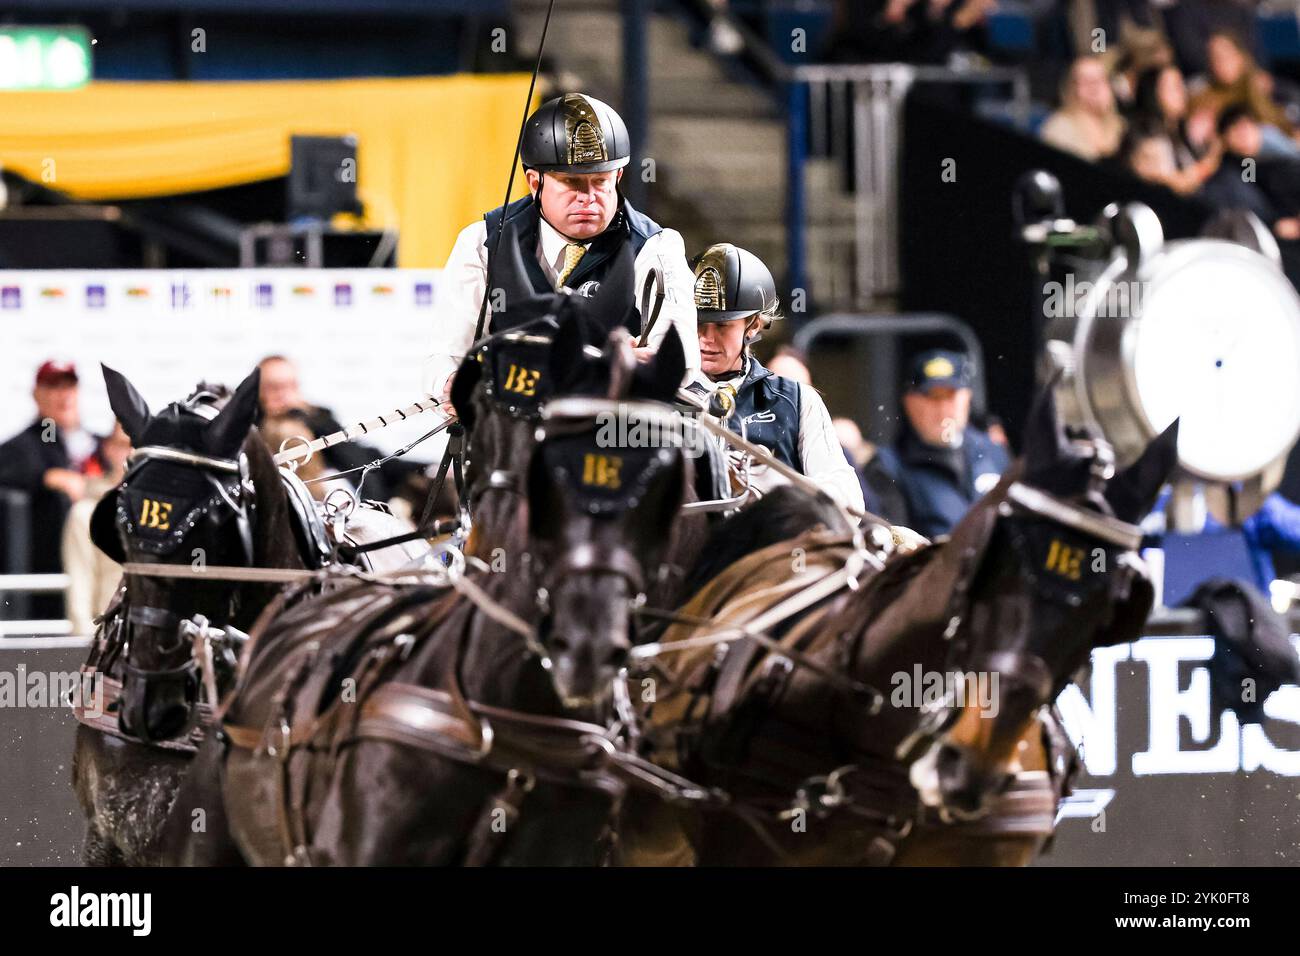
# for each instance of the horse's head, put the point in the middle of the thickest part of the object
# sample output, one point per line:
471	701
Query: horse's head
1043	570
188	499
501	386
605	483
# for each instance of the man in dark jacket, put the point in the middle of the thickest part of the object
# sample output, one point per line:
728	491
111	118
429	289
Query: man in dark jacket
281	397
46	461
939	462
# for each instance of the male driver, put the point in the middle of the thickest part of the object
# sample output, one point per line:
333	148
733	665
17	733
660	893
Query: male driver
570	231
735	302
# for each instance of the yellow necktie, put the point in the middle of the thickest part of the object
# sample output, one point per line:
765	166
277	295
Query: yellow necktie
572	253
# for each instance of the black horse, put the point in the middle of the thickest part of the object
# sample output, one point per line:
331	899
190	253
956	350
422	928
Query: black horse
201	492
434	725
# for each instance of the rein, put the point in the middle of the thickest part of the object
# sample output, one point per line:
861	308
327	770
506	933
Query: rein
830	584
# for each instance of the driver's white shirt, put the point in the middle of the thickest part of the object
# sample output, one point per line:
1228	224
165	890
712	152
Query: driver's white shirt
464	278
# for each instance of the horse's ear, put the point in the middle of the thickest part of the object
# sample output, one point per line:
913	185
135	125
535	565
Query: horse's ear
225	434
1132	493
1044	439
616	297
660	378
128	405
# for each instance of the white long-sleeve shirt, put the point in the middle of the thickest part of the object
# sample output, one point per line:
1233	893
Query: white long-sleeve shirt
464	279
820	451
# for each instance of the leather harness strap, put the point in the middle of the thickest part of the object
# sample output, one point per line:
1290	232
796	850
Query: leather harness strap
105	720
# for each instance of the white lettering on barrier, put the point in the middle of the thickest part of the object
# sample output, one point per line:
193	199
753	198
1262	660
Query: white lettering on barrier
1091	721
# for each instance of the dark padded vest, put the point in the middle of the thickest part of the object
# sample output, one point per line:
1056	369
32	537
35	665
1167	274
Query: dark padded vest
770	407
627	226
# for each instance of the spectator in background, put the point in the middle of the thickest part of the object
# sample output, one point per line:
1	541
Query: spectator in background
1147	152
282	398
277	429
47	461
881	496
790	362
1234	79
939	463
1161	107
1141	50
1245	180
92	575
1088	123
1188	22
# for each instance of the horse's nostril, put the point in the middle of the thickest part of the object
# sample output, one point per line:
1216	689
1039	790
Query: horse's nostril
560	644
616	657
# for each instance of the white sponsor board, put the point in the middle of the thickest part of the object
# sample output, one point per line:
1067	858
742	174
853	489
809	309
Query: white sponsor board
1180	735
358	336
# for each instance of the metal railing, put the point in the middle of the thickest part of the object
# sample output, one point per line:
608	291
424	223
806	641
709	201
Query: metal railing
17	584
25	584
851	116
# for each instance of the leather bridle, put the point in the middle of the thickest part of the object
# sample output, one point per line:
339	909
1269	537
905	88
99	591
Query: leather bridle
1089	515
502	480
232	497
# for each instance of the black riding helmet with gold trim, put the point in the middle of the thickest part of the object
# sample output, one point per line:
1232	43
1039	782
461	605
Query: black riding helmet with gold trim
731	284
575	133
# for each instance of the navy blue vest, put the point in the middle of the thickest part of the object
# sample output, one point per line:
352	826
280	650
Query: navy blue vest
939	486
627	226
769	406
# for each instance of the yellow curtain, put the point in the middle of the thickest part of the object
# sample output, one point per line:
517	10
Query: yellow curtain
432	152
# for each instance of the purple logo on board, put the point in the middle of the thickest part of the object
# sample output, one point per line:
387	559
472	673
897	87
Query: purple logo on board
181	296
262	296
424	293
11	297
342	293
95	297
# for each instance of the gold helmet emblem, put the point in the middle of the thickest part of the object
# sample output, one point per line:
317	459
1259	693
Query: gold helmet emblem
586	145
708	289
582	132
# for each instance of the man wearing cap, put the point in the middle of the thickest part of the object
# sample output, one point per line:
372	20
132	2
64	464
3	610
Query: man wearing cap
570	231
48	460
735	302
939	462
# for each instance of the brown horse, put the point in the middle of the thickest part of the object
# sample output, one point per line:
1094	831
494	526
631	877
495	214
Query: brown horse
424	725
850	723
